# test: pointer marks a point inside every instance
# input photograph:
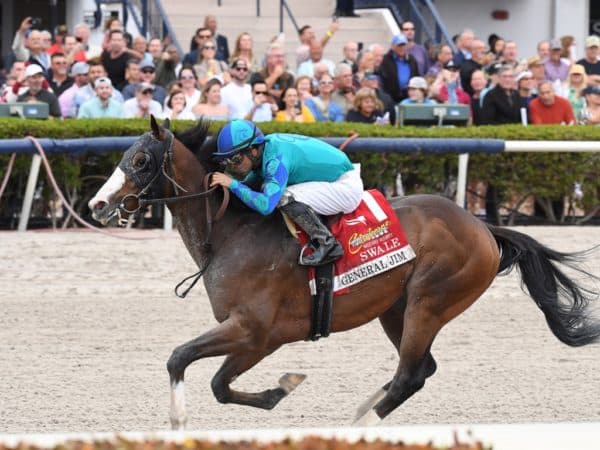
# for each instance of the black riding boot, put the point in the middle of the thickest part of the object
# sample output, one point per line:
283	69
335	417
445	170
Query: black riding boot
326	247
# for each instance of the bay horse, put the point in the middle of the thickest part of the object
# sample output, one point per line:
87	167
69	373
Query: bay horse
260	295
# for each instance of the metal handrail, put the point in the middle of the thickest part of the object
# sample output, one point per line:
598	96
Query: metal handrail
149	16
283	4
410	10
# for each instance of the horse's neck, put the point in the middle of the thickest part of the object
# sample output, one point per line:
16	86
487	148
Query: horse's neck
190	215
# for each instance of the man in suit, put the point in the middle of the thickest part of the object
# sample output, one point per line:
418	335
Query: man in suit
210	22
397	68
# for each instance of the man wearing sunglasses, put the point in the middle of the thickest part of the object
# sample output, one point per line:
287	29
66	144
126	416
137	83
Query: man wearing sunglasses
237	95
300	175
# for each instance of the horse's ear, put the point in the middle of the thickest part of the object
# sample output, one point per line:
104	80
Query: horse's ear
155	127
167	124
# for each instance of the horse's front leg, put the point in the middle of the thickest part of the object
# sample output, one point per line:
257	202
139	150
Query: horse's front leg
228	337
238	363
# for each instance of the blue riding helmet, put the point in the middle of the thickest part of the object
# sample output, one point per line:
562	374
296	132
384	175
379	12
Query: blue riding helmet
236	136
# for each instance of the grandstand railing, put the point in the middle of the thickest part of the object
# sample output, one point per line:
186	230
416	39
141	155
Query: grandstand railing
149	17
423	13
460	146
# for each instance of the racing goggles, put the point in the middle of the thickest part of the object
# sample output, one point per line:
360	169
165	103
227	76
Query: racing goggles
233	160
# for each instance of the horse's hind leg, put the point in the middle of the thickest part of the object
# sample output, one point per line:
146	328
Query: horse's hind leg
392	322
236	364
413	340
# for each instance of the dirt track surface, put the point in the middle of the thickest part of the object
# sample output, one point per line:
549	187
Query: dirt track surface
87	323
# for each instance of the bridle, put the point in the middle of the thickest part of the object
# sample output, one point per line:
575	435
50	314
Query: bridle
166	167
167	170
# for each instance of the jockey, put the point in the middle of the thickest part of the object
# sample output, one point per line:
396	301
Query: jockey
300	175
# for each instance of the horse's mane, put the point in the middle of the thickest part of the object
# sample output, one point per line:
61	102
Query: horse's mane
196	139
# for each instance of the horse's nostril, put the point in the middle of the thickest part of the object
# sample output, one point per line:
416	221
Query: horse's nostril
99	206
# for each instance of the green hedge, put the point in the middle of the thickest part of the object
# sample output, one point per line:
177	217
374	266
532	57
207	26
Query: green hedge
545	175
17	128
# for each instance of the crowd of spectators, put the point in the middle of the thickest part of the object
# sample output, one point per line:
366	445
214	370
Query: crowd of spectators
130	76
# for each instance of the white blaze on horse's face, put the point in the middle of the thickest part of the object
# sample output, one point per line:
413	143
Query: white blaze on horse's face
101	204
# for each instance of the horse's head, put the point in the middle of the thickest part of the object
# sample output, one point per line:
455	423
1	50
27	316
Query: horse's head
140	173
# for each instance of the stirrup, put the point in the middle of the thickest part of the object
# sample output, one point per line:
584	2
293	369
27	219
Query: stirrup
302	250
331	256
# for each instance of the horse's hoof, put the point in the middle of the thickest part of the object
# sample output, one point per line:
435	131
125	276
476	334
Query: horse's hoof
367	420
289	381
370	403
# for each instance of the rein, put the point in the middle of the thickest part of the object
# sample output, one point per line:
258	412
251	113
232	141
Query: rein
210	220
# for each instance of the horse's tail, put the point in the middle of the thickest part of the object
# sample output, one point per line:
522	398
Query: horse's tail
565	303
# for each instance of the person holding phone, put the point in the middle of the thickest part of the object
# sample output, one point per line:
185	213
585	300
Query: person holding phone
293	110
263	106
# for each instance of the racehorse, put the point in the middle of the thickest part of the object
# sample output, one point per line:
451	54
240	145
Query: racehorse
260	295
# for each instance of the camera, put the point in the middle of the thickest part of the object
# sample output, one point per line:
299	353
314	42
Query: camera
36	23
78	39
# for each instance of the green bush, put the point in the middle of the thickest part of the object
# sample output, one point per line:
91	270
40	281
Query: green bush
545	175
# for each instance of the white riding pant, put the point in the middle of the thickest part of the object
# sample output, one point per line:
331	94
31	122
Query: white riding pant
330	198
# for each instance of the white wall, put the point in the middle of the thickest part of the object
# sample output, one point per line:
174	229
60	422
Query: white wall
529	22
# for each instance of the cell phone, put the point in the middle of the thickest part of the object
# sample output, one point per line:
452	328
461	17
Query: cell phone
360	46
78	39
36	22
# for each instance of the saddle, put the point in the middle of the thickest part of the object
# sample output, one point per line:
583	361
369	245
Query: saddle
373	241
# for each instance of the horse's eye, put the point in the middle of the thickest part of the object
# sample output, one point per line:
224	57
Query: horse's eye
140	160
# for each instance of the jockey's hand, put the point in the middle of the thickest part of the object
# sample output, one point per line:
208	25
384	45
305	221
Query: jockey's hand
220	178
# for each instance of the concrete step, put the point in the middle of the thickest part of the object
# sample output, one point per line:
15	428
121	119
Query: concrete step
236	16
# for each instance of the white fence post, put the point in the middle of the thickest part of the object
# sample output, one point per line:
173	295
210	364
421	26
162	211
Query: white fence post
461	182
29	192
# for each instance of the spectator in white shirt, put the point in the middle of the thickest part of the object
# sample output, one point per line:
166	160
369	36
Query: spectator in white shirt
237	95
142	105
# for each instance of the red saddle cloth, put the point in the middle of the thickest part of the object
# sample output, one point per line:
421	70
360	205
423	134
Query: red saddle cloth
373	241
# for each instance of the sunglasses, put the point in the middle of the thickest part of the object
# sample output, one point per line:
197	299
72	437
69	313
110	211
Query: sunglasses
325	82
233	160
204	36
209	47
260	92
243	69
148	71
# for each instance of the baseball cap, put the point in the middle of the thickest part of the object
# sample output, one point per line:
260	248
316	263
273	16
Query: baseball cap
524	74
592	41
534	61
399	39
238	61
102	81
591	89
493	68
144	87
33	69
577	68
451	65
555	44
147	64
417	83
79	68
